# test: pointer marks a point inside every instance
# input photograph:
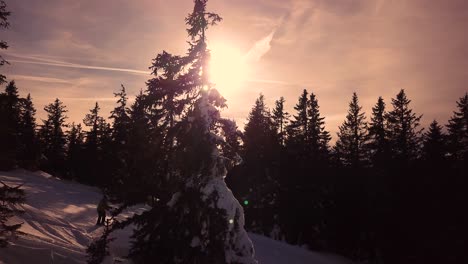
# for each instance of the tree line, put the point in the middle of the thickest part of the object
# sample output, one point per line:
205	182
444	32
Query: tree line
384	186
387	191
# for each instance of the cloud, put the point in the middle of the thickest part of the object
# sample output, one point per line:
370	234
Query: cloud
260	48
291	24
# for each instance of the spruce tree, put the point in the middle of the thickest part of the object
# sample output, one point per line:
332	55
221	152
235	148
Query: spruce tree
10	197
258	131
53	140
297	129
280	119
97	139
458	132
306	161
10	200
118	150
434	146
29	151
4	14
404	132
10	125
120	118
260	176
378	135
202	222
317	137
353	136
75	155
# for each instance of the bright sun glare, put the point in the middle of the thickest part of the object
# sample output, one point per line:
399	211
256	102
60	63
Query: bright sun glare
228	67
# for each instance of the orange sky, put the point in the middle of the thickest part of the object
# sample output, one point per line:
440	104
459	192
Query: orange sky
81	51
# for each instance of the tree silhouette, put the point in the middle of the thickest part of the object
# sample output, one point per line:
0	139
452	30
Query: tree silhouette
280	119
378	135
10	125
353	136
52	137
403	130
259	169
29	151
4	14
212	230
75	155
434	146
458	132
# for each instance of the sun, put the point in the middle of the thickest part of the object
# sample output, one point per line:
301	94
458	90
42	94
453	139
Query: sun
228	67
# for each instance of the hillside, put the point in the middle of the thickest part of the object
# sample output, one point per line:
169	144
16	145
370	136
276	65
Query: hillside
59	223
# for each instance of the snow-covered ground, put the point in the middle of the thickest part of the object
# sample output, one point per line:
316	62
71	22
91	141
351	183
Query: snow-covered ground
59	222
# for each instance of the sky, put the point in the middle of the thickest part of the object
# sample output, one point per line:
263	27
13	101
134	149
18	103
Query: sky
82	51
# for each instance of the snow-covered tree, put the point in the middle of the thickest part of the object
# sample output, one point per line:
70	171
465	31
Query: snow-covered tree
202	222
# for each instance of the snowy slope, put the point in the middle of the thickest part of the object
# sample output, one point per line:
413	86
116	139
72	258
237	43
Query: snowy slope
59	223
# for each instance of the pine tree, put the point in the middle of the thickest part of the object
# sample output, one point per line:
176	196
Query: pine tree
10	200
4	14
317	137
404	132
29	151
434	147
75	155
53	138
280	119
10	124
458	132
305	163
95	122
10	197
258	131
259	177
353	136
378	135
121	118
211	231
97	139
118	155
297	130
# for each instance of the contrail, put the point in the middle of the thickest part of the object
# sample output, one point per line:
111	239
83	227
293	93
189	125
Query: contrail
41	61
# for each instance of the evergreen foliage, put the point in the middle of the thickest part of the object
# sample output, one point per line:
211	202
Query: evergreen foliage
280	119
4	14
434	145
52	136
458	132
29	152
353	136
404	130
9	131
10	199
378	135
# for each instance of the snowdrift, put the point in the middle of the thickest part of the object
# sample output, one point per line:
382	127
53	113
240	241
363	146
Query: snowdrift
59	223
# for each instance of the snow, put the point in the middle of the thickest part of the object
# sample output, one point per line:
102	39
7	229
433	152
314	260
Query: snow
59	223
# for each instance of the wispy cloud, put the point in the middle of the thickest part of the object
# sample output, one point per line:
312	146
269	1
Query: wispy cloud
290	25
260	48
